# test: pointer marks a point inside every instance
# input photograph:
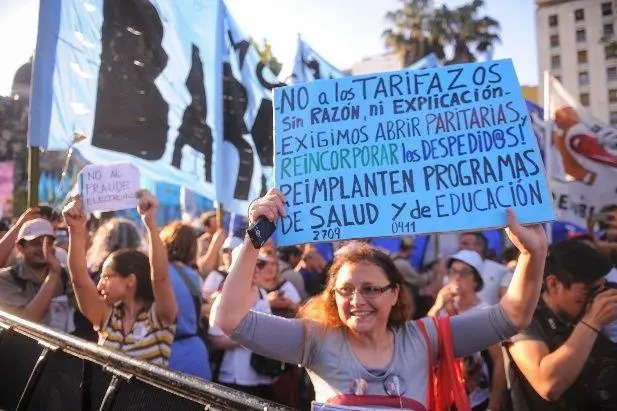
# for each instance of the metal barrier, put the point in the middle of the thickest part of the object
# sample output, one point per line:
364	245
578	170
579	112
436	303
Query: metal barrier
44	369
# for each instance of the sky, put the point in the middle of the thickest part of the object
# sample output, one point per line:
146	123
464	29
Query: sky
342	31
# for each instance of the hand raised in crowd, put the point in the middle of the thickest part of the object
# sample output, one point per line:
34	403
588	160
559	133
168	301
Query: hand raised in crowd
147	207
218	238
445	299
270	206
602	310
74	215
530	239
50	256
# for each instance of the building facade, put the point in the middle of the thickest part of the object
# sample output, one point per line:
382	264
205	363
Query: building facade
574	45
389	61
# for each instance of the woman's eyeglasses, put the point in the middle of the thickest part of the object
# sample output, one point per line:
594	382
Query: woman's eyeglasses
261	264
366	291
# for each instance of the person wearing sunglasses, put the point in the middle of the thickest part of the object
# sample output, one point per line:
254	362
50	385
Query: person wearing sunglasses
355	338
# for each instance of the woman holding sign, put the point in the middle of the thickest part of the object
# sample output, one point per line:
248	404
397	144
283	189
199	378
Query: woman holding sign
355	338
133	308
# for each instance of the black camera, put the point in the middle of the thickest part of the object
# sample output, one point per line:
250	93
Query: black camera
609	285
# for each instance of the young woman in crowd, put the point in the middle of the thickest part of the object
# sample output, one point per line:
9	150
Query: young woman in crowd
113	235
484	372
188	352
355	338
133	307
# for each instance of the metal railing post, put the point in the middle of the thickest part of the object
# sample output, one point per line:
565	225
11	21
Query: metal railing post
35	375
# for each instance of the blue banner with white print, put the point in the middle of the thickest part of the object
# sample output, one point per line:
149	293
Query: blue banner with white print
173	87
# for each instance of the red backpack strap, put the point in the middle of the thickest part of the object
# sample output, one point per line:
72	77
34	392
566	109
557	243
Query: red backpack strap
430	384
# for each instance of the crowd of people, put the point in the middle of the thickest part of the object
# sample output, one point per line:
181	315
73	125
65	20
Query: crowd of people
534	331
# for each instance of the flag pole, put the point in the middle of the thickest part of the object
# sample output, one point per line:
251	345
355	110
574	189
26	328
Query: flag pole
220	212
33	175
547	143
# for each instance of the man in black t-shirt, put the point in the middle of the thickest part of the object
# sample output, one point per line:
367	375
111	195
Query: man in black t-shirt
562	361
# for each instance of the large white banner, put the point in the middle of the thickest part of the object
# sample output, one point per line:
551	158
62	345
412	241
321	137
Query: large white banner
583	158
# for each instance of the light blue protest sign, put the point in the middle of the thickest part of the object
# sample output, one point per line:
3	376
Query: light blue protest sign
409	152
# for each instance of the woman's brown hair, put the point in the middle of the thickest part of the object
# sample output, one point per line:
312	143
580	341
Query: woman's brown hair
181	242
322	308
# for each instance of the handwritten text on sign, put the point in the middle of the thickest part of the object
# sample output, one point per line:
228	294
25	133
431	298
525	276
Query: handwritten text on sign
109	187
407	152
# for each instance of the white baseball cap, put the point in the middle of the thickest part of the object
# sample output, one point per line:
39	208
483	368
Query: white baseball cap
36	228
472	259
231	243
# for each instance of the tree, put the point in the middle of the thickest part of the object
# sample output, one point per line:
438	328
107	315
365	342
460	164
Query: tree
265	53
466	31
418	30
410	32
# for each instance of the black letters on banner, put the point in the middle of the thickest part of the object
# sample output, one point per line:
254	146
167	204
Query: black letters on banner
131	114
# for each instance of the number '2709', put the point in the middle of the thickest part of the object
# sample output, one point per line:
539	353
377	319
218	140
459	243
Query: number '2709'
403	227
327	234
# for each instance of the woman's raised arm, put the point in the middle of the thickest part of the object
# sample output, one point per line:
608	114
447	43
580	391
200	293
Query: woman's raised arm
520	300
234	302
91	304
164	297
476	330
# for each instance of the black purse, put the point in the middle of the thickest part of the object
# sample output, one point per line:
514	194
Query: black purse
268	366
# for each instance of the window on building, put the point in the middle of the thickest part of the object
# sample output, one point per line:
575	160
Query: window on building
581	36
556	62
579	15
612	117
608	30
553	20
555	40
583	78
610	52
607	9
582	56
611	74
584	99
612	96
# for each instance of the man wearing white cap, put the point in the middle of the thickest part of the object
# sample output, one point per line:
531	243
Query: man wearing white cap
35	288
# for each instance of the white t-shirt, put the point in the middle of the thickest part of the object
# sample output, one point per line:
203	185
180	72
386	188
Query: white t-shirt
495	276
290	292
236	366
211	283
610	329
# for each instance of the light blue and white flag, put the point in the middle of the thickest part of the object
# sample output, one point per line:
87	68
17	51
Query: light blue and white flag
144	82
309	65
247	146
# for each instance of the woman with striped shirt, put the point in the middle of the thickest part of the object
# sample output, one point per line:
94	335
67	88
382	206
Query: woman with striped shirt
133	308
